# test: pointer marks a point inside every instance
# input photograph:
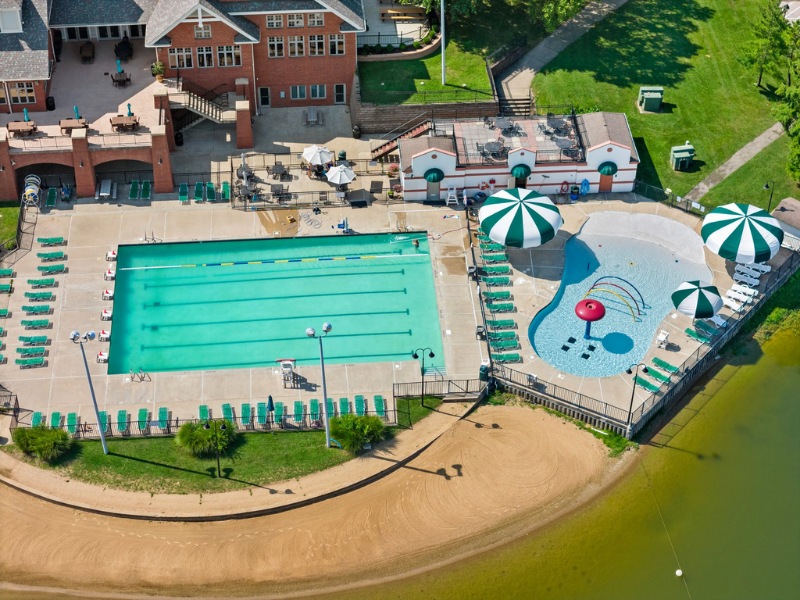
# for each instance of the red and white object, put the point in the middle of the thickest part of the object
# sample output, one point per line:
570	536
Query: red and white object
104	336
110	275
111	255
108	294
102	357
106	315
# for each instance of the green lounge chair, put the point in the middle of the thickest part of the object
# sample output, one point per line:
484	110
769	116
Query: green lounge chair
5	288
55	420
698	337
143	420
34	340
122	421
198	191
225	192
211	192
3	313
163	418
72	419
279	414
183	193
31	351
502	335
507	357
344	406
491	247
299	412
39	296
6	272
38	309
314	412
204	412
52	269
504	344
261	413
497	269
380	406
2	331
645	384
247	413
29	363
482	237
146	190
133	192
103	421
52	194
662	364
361	405
329	406
42	283
657	375
504	295
706	329
227	412
51	241
51	256
501	307
502	324
494	258
492	281
37	419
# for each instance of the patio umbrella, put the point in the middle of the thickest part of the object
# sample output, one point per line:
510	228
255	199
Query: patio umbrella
119	66
340	175
270	404
696	299
76	111
25	116
742	233
130	112
317	155
520	218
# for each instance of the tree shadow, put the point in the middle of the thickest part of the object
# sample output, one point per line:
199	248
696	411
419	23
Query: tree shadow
647	170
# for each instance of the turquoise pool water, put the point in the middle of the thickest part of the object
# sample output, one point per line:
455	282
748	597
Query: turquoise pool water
634	282
245	303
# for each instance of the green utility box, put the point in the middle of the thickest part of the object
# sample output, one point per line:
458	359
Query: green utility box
681	157
650	98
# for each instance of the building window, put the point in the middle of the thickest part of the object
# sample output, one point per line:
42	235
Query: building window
205	57
10	21
180	58
229	56
202	32
336	45
316	45
295	20
2	95
275	47
22	92
274	21
296	46
298	92
317	90
316	20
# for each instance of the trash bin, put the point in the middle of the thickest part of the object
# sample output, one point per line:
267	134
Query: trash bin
342	155
483	374
356	132
50	103
179	138
573	192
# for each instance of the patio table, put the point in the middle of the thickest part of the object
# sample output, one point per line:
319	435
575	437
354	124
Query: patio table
123	123
121	79
67	125
19	128
87	52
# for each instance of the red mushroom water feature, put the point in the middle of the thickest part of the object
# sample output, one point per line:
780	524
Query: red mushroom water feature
590	310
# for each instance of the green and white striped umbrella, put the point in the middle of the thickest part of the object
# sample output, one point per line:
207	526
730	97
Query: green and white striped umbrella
696	299
742	233
520	218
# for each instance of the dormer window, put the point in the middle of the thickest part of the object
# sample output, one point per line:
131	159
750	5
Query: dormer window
10	21
202	32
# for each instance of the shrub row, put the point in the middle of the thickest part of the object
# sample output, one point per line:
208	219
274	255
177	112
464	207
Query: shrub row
389	48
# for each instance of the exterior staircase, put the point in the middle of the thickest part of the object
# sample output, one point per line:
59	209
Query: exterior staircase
206	109
391	145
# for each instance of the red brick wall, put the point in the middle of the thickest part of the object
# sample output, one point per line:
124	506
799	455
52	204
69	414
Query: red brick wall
40	90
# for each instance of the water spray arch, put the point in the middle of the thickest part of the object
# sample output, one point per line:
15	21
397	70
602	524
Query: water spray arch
613	293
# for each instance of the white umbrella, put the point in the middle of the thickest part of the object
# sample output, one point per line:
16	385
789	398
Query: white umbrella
317	155
340	175
742	233
520	218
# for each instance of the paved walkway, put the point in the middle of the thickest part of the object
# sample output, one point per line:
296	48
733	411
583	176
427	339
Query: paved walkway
744	154
516	81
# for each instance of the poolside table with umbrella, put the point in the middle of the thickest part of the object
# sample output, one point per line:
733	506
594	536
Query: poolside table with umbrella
742	233
340	175
697	299
519	218
317	155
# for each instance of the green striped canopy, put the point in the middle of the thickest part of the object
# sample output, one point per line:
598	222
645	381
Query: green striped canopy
696	299
607	168
522	171
434	175
520	218
742	233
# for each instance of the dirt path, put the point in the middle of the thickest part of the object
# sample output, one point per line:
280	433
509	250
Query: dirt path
502	465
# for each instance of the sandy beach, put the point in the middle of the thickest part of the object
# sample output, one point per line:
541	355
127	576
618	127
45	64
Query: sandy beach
496	474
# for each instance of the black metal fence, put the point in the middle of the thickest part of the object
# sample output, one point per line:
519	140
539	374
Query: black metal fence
385	39
667	197
439	388
13	248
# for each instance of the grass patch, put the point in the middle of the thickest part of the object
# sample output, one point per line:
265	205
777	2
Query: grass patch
410	410
9	217
780	313
688	47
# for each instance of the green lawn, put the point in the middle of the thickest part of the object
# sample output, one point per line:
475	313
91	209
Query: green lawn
689	47
9	215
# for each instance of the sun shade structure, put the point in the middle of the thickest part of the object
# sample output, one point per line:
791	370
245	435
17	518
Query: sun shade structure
340	175
742	233
521	171
434	175
607	168
520	218
697	299
317	155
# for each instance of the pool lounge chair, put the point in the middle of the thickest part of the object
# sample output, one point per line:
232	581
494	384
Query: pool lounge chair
247	415
51	269
37	419
501	324
261	414
6	272
501	307
39	296
3	313
494	258
496	269
205	414
51	241
743	289
760	267
329	406
29	363
361	405
122	421
42	283
380	406
72	420
507	357
211	192
314	413
52	195
55	420
51	256
491	247
732	304
183	193
344	406
31	351
225	192
502	335
299	413
718	321
227	412
198	192
143	420
504	344
706	329
745	270
652	388
751	281
279	414
36	309
697	336
146	190
491	281
133	192
658	375
504	295
739	297
163	418
34	340
664	365
5	288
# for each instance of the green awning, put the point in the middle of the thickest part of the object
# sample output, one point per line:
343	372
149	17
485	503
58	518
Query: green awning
607	168
434	175
521	171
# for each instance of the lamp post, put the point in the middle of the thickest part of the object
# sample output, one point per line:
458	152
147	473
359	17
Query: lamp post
441	29
311	332
416	354
770	185
630	371
222	427
79	339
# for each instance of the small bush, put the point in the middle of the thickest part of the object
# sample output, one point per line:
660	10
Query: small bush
389	49
417	44
353	432
199	441
44	443
402	47
377	49
364	50
435	28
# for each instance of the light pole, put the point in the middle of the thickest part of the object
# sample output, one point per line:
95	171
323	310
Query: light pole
311	332
770	185
79	339
222	427
416	354
441	29
630	371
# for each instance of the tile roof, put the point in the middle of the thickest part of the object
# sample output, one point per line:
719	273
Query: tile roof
24	56
6	4
413	146
602	127
169	12
100	12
